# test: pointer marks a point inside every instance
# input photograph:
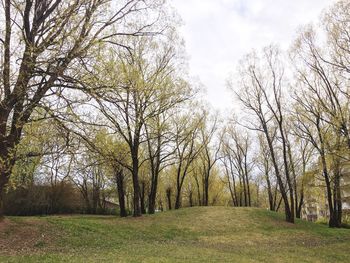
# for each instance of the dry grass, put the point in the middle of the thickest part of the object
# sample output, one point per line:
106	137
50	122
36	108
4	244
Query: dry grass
25	236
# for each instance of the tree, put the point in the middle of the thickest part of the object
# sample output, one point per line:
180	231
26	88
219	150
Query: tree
159	137
336	25
311	128
208	155
264	163
141	87
187	129
49	40
158	134
114	153
322	113
261	94
236	159
300	152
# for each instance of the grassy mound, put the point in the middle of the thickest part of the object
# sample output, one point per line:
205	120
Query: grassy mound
201	234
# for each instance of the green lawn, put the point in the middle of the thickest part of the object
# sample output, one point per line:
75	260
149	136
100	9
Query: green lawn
211	234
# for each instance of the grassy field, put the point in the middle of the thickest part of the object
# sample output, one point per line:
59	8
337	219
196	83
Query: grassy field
211	234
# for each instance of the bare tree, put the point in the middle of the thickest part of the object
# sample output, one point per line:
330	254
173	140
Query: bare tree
264	164
158	133
187	149
236	159
261	94
209	154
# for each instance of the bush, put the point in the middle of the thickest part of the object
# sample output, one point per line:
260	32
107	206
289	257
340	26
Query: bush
42	200
322	220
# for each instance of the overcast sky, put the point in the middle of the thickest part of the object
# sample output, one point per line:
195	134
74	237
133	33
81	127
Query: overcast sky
219	32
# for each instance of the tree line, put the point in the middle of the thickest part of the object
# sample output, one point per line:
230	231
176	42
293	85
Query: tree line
298	107
96	101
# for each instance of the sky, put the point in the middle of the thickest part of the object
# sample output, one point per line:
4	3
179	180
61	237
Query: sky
218	33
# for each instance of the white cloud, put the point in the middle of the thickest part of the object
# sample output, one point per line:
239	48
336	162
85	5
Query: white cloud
219	32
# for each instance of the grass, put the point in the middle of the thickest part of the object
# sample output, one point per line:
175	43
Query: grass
210	234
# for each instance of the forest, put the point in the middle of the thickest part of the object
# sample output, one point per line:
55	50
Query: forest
100	115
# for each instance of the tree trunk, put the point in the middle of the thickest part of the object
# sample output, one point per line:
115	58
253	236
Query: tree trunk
296	201
178	199
206	190
136	197
153	195
152	202
168	195
289	215
198	191
7	162
4	177
240	192
160	205
269	191
1	204
291	210
142	197
234	190
244	190
301	202
332	219
248	190
121	194
337	196
246	179
190	198
136	185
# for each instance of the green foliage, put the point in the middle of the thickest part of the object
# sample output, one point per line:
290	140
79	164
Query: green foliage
29	153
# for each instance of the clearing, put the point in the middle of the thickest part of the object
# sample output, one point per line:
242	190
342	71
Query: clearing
200	234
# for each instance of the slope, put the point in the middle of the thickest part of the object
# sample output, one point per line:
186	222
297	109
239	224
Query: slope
200	234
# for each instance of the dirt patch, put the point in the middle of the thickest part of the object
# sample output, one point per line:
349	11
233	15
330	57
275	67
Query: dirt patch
27	236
